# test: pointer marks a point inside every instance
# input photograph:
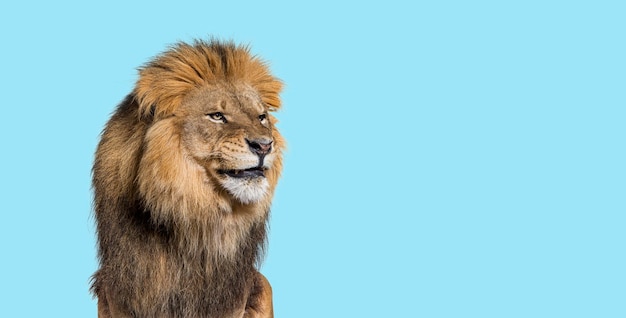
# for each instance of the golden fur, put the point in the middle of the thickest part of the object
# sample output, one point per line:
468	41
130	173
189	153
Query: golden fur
180	231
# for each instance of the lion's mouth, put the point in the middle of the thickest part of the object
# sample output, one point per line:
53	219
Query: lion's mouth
245	173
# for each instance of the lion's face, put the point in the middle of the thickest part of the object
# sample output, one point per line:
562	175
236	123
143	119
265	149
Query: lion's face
229	133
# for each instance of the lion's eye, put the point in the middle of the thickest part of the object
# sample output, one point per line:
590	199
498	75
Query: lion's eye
217	117
262	117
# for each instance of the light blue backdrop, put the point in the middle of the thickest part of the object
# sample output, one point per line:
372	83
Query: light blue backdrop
446	159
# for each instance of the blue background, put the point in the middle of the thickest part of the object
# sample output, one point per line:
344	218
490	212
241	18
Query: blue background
446	158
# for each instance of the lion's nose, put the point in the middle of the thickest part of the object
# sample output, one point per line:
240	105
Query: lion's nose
260	146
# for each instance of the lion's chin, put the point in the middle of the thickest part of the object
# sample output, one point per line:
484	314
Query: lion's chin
246	190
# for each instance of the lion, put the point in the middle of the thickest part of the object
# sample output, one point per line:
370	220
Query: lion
183	179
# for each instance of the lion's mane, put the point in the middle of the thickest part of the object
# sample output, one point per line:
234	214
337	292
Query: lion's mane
171	243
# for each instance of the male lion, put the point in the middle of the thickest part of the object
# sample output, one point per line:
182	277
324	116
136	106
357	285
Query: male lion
183	178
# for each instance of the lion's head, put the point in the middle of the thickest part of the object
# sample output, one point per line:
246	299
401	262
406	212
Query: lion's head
212	140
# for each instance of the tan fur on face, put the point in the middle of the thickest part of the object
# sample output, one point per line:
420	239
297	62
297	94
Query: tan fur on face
173	240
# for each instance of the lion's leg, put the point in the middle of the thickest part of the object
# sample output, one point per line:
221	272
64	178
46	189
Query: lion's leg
106	309
259	304
103	311
103	307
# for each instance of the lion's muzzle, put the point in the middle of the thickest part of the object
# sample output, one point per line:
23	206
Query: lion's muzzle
261	147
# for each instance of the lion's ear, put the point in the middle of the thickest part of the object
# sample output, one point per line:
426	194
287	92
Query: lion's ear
152	111
146	113
270	88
